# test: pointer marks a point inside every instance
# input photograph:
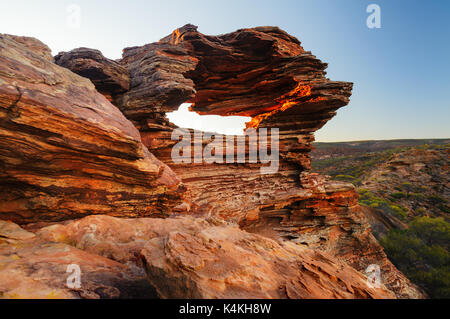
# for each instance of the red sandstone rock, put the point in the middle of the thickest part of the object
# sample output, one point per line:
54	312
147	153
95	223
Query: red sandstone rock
189	257
331	220
224	262
260	72
31	267
108	76
65	151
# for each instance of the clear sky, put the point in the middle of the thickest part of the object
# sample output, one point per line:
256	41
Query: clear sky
401	71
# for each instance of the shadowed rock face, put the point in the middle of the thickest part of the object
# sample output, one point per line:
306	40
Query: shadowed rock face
31	266
65	151
108	76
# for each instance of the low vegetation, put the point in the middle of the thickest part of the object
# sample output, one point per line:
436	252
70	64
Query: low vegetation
394	182
369	199
421	252
350	168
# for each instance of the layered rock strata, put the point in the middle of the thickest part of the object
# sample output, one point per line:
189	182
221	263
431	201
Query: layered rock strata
65	151
108	76
34	267
261	72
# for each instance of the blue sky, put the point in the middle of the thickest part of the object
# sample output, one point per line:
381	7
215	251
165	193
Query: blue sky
401	71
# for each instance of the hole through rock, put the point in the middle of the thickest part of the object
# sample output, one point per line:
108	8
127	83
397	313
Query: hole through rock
229	125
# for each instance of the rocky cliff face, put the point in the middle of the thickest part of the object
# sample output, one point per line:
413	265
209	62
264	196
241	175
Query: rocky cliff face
92	160
398	180
65	150
262	72
418	180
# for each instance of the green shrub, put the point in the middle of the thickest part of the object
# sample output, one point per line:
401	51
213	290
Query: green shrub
444	208
398	195
345	178
399	212
367	198
421	212
421	252
416	196
432	231
435	199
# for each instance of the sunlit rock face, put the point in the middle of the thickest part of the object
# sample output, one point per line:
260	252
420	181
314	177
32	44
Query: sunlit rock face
65	151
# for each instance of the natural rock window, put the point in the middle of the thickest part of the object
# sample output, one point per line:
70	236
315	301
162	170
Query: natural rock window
228	125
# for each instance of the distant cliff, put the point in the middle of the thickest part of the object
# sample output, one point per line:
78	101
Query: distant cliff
404	192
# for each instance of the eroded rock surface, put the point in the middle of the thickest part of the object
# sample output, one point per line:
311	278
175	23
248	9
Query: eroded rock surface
188	257
266	74
65	151
108	76
34	268
228	263
331	220
261	72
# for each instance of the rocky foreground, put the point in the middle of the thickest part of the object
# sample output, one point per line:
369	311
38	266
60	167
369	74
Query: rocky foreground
86	171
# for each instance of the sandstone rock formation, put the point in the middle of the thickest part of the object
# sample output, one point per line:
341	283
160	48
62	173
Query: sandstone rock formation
108	76
184	257
95	162
261	72
224	262
34	268
332	221
65	151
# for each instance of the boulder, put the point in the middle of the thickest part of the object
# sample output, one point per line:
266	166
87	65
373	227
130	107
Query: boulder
188	257
108	76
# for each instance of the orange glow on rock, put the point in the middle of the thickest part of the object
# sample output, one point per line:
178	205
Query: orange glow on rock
176	36
287	101
317	99
299	91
